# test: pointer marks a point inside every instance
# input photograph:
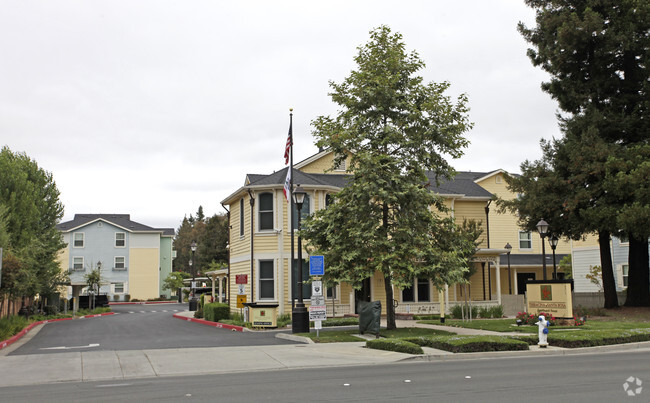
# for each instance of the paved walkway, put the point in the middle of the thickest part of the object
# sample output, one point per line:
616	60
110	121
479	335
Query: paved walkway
121	365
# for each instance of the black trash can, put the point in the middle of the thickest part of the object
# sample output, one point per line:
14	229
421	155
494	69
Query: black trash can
369	317
194	303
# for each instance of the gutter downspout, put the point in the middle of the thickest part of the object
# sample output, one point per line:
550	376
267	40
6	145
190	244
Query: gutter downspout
487	226
252	203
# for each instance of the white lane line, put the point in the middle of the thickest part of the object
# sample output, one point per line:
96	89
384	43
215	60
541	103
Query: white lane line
69	348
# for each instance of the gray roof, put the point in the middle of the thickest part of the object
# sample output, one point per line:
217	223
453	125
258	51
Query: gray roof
120	220
462	184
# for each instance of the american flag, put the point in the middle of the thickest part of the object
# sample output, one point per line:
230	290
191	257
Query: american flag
287	147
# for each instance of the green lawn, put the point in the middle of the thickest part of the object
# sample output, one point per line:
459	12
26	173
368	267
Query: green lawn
339	336
508	325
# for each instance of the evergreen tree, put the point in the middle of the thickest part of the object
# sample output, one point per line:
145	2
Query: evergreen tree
397	128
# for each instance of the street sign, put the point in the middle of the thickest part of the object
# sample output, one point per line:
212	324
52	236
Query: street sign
316	266
316	287
318	312
241	300
317	300
242	289
241	279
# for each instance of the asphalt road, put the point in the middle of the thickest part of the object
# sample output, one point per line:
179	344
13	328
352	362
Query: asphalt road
138	327
578	378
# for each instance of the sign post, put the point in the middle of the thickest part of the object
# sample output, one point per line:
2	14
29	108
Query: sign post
317	310
241	280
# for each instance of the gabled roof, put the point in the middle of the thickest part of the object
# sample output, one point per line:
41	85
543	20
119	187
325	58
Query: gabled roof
463	185
122	221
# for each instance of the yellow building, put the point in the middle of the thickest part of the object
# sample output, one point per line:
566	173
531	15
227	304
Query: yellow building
260	208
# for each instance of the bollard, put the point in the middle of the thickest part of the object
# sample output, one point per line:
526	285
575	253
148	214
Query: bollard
542	326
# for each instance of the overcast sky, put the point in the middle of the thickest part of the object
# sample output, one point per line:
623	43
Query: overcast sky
153	108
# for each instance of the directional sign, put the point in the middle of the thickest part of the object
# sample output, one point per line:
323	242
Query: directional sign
241	300
316	266
317	312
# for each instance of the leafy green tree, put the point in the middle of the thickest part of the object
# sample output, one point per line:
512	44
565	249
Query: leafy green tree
94	282
595	52
31	209
566	267
211	237
174	280
398	129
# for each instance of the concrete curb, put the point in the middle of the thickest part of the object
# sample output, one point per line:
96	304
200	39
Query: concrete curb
291	337
18	336
234	328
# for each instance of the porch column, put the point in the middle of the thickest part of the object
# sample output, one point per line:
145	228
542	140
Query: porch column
498	270
220	281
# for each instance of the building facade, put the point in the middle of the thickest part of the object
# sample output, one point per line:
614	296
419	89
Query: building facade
133	258
260	242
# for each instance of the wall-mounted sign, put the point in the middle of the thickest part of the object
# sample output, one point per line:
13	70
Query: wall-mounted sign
241	279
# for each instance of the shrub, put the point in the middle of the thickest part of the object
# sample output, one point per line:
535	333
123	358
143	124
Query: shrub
470	344
497	311
341	322
216	312
457	313
426	317
587	338
531	318
284	320
398	345
484	312
127	297
51	310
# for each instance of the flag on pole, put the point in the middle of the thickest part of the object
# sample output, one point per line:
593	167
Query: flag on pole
287	147
287	186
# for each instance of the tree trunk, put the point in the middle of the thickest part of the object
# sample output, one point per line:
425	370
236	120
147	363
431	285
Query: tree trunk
390	308
609	286
638	291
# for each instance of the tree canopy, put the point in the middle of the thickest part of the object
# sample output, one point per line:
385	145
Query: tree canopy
29	211
395	129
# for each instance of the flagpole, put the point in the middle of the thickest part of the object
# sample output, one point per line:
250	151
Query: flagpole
293	299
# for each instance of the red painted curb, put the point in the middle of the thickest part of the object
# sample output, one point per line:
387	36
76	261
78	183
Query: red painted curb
209	323
23	332
143	302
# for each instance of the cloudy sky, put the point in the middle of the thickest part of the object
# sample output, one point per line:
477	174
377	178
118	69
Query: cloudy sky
153	108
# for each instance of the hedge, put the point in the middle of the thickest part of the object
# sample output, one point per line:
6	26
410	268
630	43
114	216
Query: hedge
469	344
398	345
215	311
591	338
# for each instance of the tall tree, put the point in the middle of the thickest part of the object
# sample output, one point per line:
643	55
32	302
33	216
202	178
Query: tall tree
31	205
596	53
211	237
397	128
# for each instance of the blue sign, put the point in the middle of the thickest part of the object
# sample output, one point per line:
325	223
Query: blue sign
316	266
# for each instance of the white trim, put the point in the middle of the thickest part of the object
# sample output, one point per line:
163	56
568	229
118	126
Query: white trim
115	263
258	203
83	263
123	246
498	171
519	240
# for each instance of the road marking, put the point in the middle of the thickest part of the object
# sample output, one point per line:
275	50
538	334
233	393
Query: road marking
69	348
131	312
114	385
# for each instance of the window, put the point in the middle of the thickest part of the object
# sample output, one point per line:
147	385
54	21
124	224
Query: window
304	212
241	217
266	211
78	239
498	179
423	290
525	240
625	271
118	288
78	263
119	263
408	294
341	166
331	293
306	287
419	293
266	280
328	200
120	239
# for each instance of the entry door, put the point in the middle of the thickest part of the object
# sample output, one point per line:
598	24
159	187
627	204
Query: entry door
363	294
521	281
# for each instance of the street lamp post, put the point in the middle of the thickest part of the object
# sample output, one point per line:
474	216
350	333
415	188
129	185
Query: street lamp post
553	241
299	317
542	228
193	269
508	247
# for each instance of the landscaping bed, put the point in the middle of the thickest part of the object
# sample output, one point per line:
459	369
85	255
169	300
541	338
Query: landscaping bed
470	344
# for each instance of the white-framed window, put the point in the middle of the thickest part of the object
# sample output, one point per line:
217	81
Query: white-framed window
119	263
342	166
78	240
332	293
241	217
78	263
525	240
266	279
120	239
265	221
623	272
419	291
498	179
118	288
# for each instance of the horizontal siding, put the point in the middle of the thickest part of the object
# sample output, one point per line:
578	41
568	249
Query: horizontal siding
582	261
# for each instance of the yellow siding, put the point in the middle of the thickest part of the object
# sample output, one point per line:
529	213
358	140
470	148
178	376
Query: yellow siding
63	259
472	210
322	165
143	273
